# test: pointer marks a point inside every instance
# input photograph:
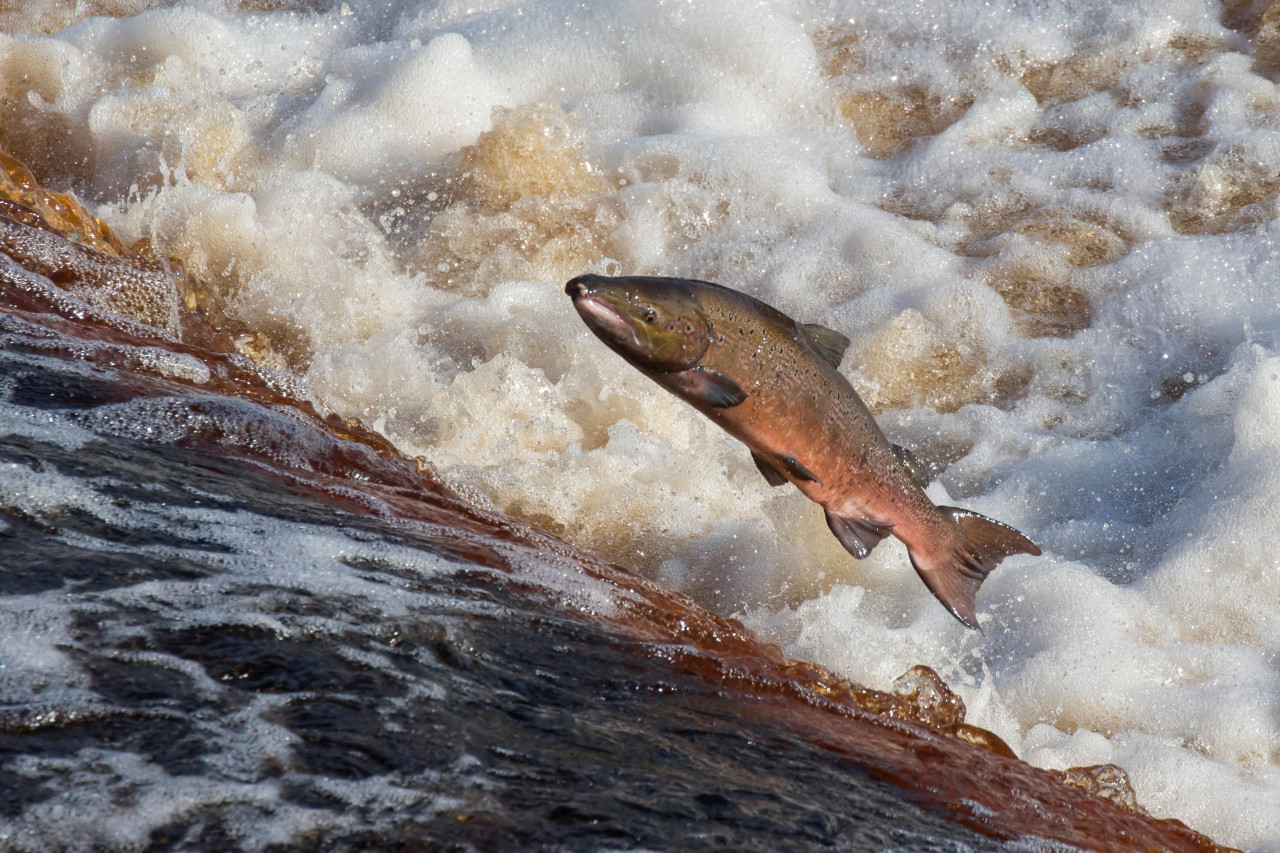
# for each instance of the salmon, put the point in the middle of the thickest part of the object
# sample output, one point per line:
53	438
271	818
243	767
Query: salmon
774	384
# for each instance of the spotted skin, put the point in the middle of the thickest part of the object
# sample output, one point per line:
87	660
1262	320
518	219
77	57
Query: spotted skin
800	417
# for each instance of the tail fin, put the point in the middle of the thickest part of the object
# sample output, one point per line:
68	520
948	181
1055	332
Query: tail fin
955	579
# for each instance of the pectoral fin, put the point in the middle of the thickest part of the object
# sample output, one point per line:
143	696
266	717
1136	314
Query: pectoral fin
773	475
708	387
857	535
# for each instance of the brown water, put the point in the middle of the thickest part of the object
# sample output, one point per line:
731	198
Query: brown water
237	620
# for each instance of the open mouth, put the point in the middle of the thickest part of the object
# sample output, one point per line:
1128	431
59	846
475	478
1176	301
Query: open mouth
593	307
599	313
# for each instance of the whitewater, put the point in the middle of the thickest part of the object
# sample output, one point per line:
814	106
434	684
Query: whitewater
1049	230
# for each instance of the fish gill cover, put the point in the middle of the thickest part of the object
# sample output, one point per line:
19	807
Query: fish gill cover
1047	229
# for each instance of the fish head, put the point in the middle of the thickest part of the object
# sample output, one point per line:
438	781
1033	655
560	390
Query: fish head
655	323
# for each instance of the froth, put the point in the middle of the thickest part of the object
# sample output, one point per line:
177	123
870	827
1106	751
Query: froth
1049	233
526	202
1220	577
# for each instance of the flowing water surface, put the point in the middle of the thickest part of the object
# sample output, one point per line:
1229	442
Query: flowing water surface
1048	228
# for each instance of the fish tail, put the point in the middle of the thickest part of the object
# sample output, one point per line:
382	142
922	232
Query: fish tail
955	576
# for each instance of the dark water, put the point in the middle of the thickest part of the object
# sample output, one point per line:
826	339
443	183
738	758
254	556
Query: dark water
200	655
232	620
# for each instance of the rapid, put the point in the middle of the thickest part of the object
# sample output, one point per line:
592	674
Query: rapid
1048	229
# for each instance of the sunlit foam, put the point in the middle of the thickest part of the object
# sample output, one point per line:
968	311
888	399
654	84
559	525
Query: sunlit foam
1050	237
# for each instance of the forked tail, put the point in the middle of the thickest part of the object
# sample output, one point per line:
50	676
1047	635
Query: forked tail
955	577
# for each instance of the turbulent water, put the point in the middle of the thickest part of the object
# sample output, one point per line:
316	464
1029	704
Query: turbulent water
1048	228
198	657
231	623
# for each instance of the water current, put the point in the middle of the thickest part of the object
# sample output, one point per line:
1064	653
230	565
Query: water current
231	624
1049	230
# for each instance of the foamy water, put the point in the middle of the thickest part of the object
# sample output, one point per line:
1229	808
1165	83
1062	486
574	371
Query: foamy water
1048	229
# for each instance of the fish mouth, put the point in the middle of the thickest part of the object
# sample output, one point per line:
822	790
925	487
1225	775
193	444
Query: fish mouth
600	314
581	286
594	307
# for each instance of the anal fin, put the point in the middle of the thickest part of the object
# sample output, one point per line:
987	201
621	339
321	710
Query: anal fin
858	535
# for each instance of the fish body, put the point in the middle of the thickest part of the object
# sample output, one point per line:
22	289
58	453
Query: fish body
773	383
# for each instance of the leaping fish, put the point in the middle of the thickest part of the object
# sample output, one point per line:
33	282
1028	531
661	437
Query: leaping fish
773	384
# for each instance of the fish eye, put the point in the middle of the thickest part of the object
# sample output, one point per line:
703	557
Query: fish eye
649	315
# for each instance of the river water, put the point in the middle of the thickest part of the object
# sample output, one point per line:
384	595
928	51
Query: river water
199	657
231	623
1048	228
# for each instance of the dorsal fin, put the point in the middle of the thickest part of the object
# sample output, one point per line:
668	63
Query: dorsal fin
827	343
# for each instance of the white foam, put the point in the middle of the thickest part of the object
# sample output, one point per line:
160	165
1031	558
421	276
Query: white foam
41	669
33	666
75	815
39	425
1085	219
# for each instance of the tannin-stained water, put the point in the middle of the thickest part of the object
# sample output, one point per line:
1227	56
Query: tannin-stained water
1048	229
235	622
